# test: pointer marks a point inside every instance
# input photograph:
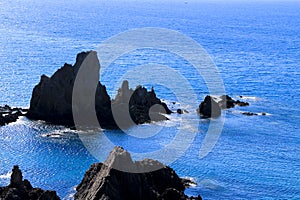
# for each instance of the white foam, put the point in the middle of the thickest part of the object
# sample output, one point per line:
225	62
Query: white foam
192	181
249	98
6	176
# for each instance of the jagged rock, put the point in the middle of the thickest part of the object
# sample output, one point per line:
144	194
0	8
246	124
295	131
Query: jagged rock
228	102
8	114
52	98
20	189
209	108
242	104
137	106
121	178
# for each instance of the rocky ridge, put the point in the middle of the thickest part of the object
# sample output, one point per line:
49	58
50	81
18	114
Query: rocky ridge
121	178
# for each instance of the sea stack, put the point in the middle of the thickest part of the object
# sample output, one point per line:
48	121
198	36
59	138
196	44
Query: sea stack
54	99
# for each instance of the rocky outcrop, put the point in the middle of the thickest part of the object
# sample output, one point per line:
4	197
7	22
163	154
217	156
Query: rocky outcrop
227	102
8	114
20	189
211	106
52	98
121	178
137	106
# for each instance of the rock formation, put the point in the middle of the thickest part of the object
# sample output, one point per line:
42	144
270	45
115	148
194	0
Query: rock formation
20	189
227	102
211	107
115	179
52	98
137	106
8	114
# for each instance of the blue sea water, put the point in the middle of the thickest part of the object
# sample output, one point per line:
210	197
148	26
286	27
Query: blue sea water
256	46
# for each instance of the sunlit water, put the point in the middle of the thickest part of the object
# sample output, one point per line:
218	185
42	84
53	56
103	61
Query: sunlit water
256	47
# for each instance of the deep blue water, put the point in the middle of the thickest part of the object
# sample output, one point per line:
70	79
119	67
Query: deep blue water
256	47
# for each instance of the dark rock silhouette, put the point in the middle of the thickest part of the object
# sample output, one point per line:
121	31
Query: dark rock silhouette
179	111
52	98
8	114
137	106
249	113
20	189
209	108
228	102
121	178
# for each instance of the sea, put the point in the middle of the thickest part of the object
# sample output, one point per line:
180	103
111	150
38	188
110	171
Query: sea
255	46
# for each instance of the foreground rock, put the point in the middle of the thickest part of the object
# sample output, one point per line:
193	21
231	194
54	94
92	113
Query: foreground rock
20	189
52	99
8	114
211	107
115	179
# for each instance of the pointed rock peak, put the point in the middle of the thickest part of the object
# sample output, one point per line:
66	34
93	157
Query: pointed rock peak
119	159
125	85
16	177
82	56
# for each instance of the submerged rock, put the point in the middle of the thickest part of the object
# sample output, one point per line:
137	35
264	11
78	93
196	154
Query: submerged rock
9	115
20	189
121	178
52	99
249	113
